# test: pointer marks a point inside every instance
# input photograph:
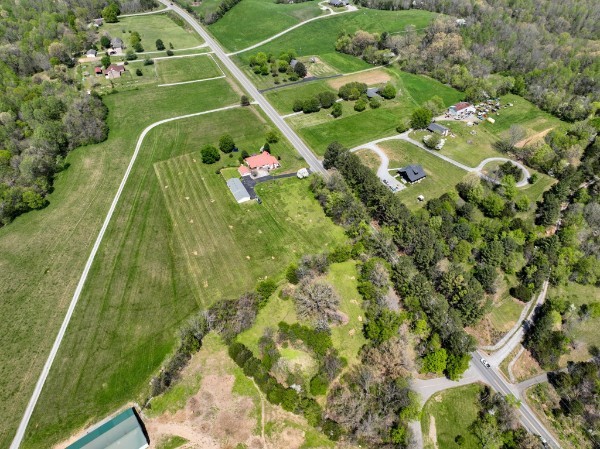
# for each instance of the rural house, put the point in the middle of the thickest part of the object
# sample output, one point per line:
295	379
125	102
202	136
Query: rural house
98	22
262	161
114	71
338	3
412	173
124	431
461	108
439	129
373	92
116	42
238	190
91	53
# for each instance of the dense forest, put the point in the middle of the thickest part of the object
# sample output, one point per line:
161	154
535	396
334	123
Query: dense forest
546	51
43	113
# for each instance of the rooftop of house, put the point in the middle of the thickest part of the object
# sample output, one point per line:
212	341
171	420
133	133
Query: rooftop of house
260	160
243	170
413	172
115	68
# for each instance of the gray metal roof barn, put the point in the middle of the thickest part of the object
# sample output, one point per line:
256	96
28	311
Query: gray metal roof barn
124	431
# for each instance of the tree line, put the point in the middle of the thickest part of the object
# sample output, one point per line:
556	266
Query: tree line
540	50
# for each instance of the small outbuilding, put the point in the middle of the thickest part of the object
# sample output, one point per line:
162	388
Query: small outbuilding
412	173
124	431
238	190
98	70
439	129
293	63
116	42
91	53
373	92
99	22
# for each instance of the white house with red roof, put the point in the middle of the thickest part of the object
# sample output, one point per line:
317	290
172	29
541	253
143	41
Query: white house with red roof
262	161
462	108
244	171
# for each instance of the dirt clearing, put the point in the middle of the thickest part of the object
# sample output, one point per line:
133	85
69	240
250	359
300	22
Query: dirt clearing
432	431
370	78
532	139
526	367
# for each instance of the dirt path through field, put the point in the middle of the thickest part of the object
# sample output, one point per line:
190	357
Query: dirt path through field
532	139
262	415
369	78
432	431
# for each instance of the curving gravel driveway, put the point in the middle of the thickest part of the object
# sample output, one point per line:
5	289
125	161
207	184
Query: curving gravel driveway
383	170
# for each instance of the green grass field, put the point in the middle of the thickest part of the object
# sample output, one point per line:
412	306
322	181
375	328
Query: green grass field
187	69
283	99
261	19
453	415
42	253
422	88
349	338
168	252
152	27
318	37
441	176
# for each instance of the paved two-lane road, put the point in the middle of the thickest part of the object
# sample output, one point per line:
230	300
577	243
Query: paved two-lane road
312	160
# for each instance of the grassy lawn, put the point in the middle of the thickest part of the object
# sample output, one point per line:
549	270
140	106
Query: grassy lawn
586	331
347	338
454	410
318	37
283	99
42	253
187	69
413	90
441	175
505	314
171	442
275	311
147	268
261	19
421	88
151	28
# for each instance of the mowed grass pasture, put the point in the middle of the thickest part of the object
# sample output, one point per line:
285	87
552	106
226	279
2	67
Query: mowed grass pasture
42	253
318	37
453	411
190	68
354	128
253	21
152	27
177	242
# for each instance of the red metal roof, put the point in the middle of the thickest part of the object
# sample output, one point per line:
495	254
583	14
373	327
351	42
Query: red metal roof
260	160
115	68
462	105
243	170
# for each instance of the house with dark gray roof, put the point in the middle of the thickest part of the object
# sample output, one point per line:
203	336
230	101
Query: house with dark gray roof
116	42
338	3
238	190
412	173
439	129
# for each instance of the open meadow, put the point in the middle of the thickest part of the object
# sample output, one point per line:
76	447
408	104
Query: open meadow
152	27
261	19
354	128
318	37
187	69
177	243
42	253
